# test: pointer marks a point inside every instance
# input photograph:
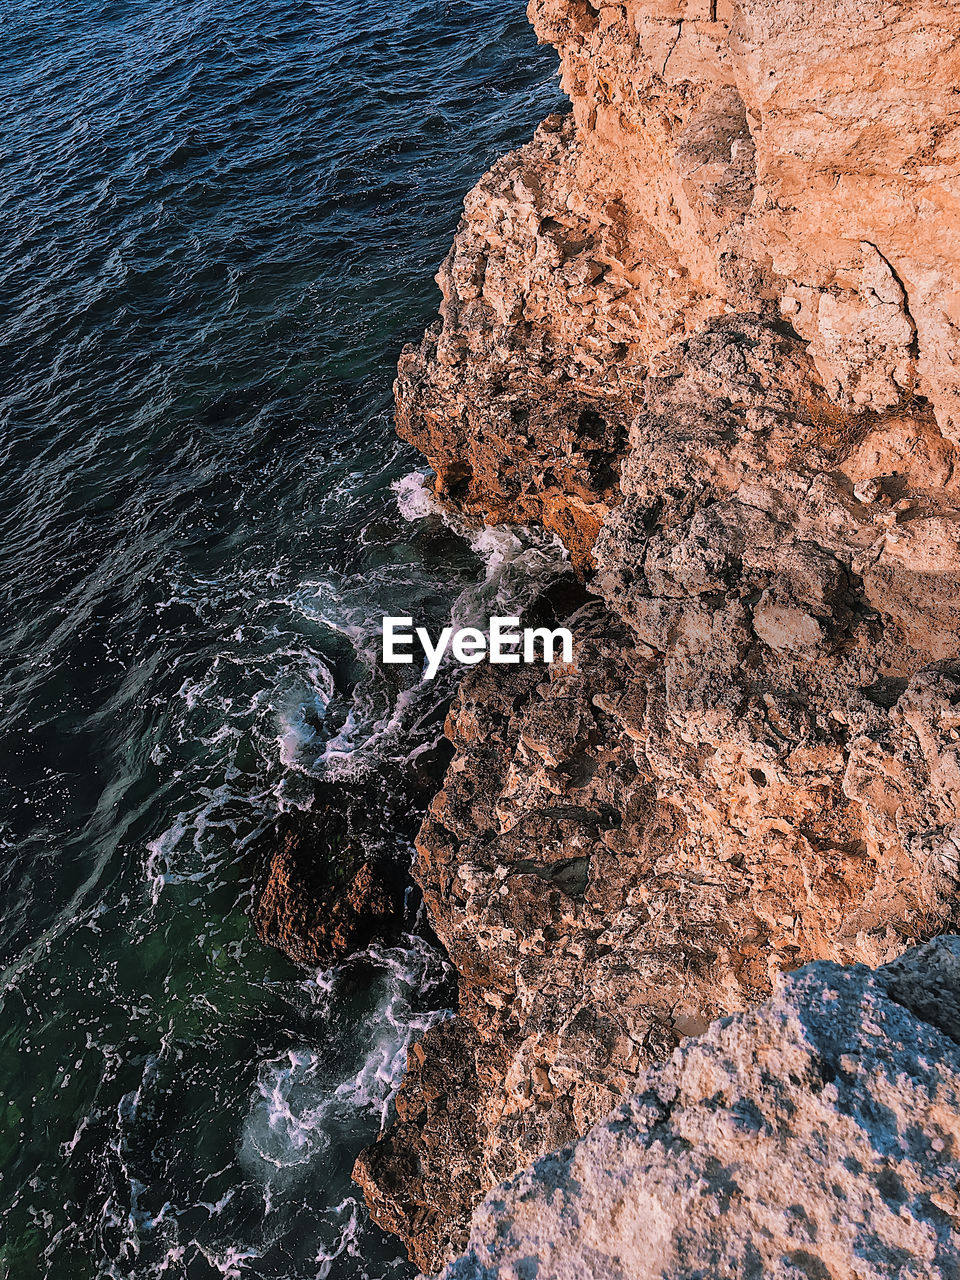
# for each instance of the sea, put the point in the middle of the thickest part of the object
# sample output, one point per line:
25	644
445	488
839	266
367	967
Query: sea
219	223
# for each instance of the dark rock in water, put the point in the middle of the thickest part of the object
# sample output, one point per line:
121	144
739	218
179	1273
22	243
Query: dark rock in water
332	884
426	767
336	878
422	1179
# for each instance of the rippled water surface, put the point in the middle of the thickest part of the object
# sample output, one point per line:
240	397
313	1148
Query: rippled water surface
220	220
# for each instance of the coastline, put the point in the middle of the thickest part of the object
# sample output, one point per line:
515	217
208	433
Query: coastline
690	331
221	219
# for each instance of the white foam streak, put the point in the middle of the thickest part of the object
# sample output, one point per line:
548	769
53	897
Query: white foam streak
308	1100
414	499
517	565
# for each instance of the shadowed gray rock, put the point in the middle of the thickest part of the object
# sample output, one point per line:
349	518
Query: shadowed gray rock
815	1138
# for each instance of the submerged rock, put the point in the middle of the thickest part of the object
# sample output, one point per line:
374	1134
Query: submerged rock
815	1138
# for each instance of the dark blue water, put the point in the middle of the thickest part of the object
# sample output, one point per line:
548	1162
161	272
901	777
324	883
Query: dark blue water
219	220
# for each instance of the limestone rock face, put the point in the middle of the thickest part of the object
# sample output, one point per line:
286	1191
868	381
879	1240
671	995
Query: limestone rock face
815	1137
705	328
804	151
794	158
519	424
753	763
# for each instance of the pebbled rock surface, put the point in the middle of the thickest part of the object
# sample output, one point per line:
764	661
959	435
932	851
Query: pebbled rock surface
705	329
816	1137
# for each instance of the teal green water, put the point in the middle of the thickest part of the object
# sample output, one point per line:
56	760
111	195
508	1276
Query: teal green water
220	222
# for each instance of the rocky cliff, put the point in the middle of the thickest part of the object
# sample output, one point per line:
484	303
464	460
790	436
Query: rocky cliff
706	329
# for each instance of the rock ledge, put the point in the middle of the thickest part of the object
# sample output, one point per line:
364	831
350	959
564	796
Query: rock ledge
815	1138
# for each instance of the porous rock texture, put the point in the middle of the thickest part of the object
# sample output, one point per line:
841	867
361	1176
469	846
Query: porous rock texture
705	329
816	1137
799	157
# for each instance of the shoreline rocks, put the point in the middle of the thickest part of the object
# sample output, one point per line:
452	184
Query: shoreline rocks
704	328
336	877
321	898
753	763
816	1137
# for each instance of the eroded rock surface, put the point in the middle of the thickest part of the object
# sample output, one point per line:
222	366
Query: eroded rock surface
705	329
327	888
753	763
816	1137
771	156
